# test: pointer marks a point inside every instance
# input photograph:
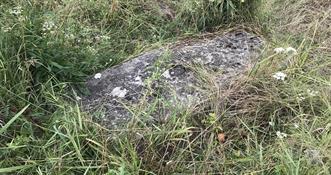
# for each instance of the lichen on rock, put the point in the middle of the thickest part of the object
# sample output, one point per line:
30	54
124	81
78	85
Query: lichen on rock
171	74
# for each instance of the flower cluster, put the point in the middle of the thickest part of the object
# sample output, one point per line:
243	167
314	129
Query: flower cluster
271	123
17	11
279	76
48	26
105	37
279	50
6	29
281	135
289	50
312	93
69	36
300	97
102	37
92	50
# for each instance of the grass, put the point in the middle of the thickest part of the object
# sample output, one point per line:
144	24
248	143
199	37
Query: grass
48	49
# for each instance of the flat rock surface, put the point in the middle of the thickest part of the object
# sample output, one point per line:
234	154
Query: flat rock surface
177	74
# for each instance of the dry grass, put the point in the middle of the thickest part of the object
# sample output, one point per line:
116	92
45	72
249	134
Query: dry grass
307	19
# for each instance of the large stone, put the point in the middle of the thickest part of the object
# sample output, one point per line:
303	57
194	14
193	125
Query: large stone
176	74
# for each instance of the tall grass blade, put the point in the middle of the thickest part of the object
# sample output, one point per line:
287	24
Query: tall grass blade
14	168
4	128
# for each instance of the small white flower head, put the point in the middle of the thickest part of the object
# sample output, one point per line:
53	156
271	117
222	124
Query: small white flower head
92	50
97	38
105	37
69	36
271	123
97	76
16	11
291	51
281	135
279	50
22	18
312	93
6	29
48	26
279	76
296	126
119	92
300	97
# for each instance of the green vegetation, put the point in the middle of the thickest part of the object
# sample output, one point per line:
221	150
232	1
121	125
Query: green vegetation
48	48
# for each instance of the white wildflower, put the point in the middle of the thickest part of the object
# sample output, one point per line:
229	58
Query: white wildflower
296	126
105	37
78	98
271	123
291	50
16	11
92	50
69	36
97	76
300	97
279	76
97	38
22	18
48	26
312	93
6	29
119	92
281	135
279	50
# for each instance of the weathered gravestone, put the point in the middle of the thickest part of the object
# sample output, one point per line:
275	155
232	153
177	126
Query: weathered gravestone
171	74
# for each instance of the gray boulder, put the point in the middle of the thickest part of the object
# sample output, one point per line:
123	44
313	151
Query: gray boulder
171	77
